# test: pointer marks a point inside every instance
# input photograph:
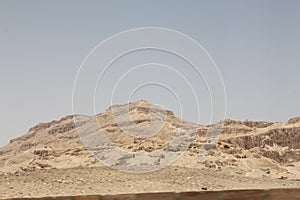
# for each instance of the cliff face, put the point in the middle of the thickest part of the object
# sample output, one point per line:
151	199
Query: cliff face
261	148
281	144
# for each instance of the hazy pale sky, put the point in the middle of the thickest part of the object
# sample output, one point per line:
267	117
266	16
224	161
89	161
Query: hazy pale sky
255	44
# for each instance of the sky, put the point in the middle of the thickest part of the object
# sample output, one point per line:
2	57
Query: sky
255	45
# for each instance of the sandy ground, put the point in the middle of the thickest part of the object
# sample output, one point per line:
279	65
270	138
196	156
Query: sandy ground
102	180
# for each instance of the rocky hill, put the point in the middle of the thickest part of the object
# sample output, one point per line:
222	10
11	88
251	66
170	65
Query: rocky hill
245	148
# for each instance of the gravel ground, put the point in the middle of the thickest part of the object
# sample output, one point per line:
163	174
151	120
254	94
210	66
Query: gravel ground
102	180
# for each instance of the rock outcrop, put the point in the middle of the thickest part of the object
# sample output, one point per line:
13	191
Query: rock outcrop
245	147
